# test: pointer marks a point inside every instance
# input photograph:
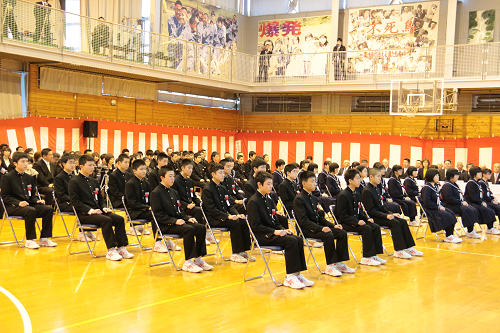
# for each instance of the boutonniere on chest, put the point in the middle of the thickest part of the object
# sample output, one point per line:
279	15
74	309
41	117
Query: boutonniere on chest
226	197
29	190
96	191
146	196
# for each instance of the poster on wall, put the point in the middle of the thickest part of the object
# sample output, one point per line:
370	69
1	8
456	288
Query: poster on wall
402	34
196	21
481	26
298	46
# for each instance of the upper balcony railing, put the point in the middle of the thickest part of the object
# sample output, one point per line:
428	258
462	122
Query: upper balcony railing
25	23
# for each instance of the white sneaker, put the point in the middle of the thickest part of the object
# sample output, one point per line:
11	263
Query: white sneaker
124	253
31	244
293	282
171	246
493	231
245	255
305	281
413	223
317	244
130	231
412	251
343	268
142	230
402	255
92	236
81	237
382	232
238	258
207	242
159	247
380	260
191	267
203	264
458	238
369	262
332	270
452	239
113	255
277	252
473	234
47	242
211	238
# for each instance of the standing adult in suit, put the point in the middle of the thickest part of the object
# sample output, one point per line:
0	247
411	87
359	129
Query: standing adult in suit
42	21
344	169
495	176
443	172
406	165
339	57
6	161
9	20
46	172
460	170
423	170
388	168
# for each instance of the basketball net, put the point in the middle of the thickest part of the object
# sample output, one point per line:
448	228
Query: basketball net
411	109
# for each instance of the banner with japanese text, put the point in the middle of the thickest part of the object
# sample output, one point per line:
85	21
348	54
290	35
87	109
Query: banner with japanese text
403	33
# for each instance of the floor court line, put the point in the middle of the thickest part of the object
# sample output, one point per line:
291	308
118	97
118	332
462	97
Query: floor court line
24	314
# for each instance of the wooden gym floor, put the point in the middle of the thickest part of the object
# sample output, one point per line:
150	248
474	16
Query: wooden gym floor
453	288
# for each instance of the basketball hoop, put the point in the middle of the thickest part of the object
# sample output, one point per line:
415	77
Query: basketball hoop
411	110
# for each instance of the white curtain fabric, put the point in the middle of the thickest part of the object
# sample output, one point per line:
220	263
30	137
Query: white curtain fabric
11	104
194	100
75	82
112	10
129	88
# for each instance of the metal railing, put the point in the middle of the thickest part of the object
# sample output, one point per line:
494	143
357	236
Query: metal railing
59	31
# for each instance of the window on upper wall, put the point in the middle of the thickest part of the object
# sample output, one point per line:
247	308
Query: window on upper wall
73	38
293	6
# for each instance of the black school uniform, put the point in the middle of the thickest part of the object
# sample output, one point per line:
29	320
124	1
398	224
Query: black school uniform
452	198
61	183
392	206
474	196
333	185
116	186
411	188
438	219
185	189
398	194
288	189
234	193
488	197
138	195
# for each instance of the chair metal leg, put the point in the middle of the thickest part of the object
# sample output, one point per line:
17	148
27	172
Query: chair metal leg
352	253
139	240
265	267
425	231
217	244
57	212
169	254
385	250
18	242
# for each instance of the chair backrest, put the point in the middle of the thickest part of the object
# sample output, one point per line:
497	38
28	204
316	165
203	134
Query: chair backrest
158	229
295	222
252	235
125	208
4	208
364	209
424	214
332	211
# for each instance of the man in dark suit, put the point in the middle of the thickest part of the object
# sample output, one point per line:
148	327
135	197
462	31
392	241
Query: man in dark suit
350	214
91	208
220	213
442	172
406	165
495	176
117	180
46	172
19	196
267	227
264	60
465	176
314	225
346	167
388	168
100	36
339	56
250	186
42	21
401	234
166	206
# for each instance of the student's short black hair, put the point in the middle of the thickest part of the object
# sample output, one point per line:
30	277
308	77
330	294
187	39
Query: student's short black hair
196	155
339	39
333	166
17	156
125	151
279	162
396	167
257	163
326	163
175	153
430	174
310	158
378	165
364	161
161	156
360	168
137	164
486	171
261	177
304	176
156	152
66	157
407	160
355	164
46	151
226	160
303	162
474	171
163	171
252	153
216	167
312	166
149	152
374	172
178	3
84	159
120	158
350	174
185	162
447	160
88	150
410	170
290	167
451	173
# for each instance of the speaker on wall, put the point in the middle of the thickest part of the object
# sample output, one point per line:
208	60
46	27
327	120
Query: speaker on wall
90	129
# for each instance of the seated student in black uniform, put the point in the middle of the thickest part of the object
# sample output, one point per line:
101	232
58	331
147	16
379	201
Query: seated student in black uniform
265	221
452	198
489	198
46	172
398	193
19	196
349	213
236	195
439	217
198	176
239	168
323	198
61	183
363	173
247	168
322	176
476	197
117	180
401	234
166	205
314	225
303	165
174	162
278	175
91	208
410	184
250	186
266	159
333	185
190	203
288	188
154	179
388	203
221	214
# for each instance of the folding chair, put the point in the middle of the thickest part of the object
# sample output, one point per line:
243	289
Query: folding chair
163	236
219	230
269	249
133	223
381	227
306	241
10	218
57	211
291	221
83	228
349	233
425	219
109	204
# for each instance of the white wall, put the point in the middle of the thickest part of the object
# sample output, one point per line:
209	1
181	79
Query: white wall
267	7
467	6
